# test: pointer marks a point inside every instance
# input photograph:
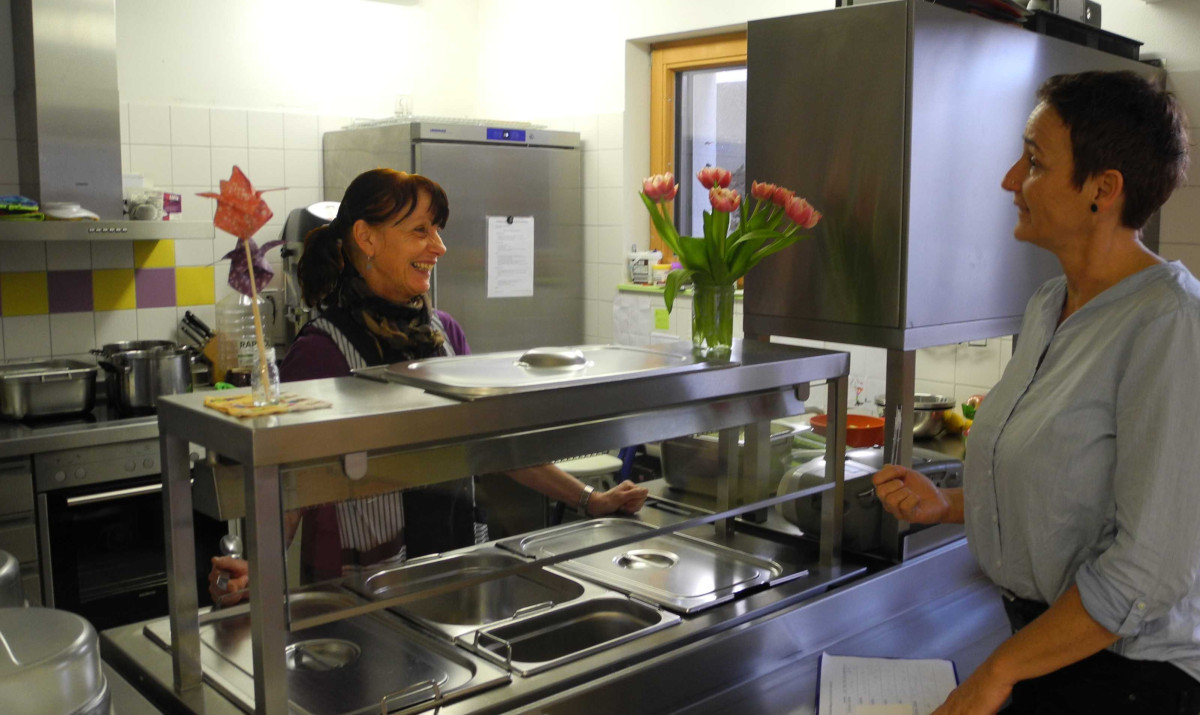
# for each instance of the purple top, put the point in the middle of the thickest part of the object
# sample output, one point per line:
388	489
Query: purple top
314	355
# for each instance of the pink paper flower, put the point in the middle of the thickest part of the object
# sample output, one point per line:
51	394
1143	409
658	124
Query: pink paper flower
711	176
762	192
726	200
660	187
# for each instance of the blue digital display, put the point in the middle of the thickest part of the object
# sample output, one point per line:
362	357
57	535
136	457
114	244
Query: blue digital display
506	135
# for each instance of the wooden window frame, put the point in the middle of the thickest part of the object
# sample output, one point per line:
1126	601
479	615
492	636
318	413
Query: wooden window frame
667	60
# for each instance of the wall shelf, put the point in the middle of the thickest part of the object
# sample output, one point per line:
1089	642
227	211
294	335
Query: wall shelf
105	230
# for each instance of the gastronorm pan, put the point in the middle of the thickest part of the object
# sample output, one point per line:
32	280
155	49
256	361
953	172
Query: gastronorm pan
45	388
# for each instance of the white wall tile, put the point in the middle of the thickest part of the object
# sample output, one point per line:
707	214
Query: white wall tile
206	313
1006	348
977	364
156	324
113	326
301	131
68	255
228	128
591	169
112	254
936	387
589	132
610	206
301	168
265	130
125	161
265	168
612	130
192	166
1188	253
611	168
332	123
72	333
1181	216
196	208
296	199
26	336
936	363
612	247
152	161
8	117
149	123
277	201
591	244
193	253
22	256
190	126
591	207
223	161
608	276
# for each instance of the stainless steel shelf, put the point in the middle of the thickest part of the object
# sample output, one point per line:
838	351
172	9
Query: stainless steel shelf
105	230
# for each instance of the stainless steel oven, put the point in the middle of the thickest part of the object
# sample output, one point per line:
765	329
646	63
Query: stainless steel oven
100	532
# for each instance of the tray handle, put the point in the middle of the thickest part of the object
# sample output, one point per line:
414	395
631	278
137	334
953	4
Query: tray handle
438	696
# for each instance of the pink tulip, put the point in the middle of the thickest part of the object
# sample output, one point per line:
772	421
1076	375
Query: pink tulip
812	221
798	211
781	196
726	200
711	176
762	192
660	187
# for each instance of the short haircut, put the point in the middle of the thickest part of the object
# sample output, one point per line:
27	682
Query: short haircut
1123	121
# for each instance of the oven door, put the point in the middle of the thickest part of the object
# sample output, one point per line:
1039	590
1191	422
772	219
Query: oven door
104	551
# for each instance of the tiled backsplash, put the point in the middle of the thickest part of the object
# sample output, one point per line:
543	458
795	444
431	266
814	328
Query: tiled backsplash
62	299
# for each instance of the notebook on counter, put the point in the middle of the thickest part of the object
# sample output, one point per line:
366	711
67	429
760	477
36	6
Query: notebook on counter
851	685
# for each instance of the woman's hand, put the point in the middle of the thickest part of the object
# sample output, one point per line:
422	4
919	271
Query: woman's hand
909	496
238	571
626	498
979	694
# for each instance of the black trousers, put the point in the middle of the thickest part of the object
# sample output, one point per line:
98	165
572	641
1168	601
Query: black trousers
1101	683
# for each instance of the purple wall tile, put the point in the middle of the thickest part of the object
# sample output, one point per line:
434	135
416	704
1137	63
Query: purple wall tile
70	291
155	287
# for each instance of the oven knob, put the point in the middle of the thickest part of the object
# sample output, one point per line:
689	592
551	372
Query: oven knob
148	463
79	473
60	476
130	465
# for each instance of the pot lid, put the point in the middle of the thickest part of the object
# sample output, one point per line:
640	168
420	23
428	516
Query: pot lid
49	660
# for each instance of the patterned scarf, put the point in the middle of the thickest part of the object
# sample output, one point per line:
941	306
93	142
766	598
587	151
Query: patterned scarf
401	332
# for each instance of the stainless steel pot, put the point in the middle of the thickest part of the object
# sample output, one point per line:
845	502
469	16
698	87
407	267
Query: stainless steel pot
51	665
140	377
928	413
112	386
12	594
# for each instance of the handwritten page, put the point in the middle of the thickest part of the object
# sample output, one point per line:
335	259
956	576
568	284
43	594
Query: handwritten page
883	686
509	256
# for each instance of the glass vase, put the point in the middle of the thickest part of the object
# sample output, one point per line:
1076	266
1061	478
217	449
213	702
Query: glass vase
712	318
264	380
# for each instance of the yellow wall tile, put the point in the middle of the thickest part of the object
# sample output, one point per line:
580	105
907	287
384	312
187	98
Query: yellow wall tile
194	285
153	254
114	289
24	294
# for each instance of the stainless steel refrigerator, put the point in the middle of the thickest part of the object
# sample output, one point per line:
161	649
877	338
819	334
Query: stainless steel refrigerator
513	271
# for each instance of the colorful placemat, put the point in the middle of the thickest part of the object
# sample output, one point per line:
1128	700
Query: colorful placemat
243	405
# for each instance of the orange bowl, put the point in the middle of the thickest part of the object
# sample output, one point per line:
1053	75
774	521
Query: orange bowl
861	430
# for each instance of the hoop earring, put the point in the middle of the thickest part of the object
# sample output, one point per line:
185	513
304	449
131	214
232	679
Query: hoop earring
1095	208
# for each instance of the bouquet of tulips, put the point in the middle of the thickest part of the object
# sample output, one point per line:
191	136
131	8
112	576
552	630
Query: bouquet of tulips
720	256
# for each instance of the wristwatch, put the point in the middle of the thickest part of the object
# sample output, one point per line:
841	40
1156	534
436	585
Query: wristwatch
584	497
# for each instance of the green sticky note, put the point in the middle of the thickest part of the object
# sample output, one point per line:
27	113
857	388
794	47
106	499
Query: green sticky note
662	319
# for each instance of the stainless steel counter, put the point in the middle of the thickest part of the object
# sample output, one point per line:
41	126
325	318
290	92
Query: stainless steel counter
22	439
370	422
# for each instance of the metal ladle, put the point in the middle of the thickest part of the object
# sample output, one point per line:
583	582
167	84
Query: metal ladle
231	545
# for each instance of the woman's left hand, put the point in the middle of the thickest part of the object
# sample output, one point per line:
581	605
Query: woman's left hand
978	695
626	498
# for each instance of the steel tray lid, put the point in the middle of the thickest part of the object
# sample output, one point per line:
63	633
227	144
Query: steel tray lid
475	376
40	370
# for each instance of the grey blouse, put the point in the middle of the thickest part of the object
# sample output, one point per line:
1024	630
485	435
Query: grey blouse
1083	465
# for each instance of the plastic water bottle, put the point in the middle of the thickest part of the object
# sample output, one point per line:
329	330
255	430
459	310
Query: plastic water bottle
237	344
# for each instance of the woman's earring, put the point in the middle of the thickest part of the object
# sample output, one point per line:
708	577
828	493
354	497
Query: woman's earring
1095	208
372	257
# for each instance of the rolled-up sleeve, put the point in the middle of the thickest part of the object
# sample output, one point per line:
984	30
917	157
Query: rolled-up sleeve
1153	561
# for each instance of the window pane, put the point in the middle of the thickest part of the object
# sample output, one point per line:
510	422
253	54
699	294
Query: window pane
711	130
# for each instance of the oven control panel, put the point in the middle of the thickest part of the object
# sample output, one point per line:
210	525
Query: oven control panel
97	464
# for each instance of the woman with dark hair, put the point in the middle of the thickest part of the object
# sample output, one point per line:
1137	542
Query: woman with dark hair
368	274
1082	483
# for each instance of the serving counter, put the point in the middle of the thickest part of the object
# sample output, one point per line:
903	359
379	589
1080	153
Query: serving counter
378	437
